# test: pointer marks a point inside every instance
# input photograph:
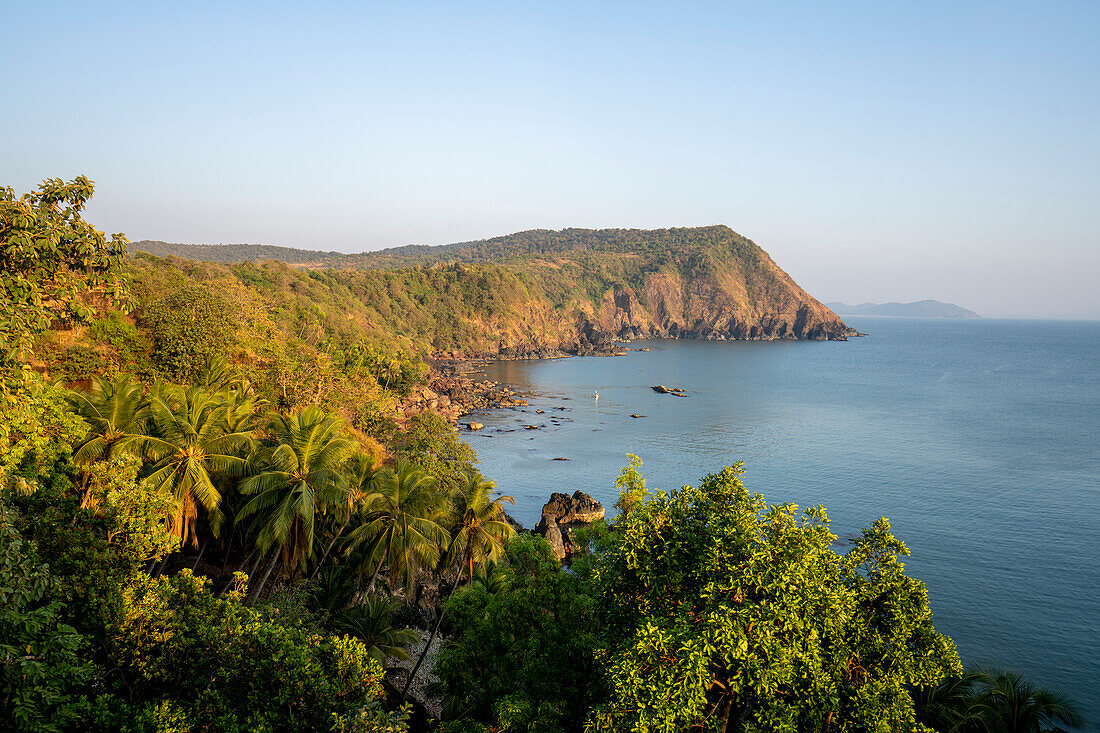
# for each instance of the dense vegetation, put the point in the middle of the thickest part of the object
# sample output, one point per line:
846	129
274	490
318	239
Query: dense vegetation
211	518
511	247
702	282
568	265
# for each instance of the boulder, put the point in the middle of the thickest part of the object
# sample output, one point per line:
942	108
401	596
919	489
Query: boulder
474	426
549	529
564	513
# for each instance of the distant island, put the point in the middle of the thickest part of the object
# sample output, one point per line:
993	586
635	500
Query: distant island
918	309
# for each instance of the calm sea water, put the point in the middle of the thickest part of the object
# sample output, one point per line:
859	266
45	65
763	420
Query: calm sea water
977	439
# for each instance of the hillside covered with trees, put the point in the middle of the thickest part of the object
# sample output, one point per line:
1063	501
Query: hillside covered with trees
595	285
216	516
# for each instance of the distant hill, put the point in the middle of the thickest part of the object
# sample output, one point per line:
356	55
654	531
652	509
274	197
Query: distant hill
919	309
231	253
594	285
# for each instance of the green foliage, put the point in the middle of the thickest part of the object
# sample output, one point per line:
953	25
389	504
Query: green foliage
188	327
41	670
521	659
51	262
995	701
631	486
137	517
218	664
116	412
115	330
81	362
36	431
190	443
371	622
720	610
400	526
479	530
297	479
433	445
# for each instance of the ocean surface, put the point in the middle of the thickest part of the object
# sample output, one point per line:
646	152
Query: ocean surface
978	439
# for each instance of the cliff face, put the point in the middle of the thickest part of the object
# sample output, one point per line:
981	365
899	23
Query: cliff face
667	308
715	286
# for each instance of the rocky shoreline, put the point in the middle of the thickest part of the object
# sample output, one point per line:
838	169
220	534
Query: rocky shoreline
452	395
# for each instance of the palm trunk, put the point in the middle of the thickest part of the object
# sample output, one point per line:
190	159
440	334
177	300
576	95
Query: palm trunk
229	580
254	594
374	575
423	654
160	568
255	565
328	549
199	558
357	599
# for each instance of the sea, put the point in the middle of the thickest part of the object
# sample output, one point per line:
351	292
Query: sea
978	439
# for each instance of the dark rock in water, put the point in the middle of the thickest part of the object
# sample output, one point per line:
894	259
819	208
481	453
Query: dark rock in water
636	415
530	427
662	389
512	522
560	459
564	513
540	411
474	426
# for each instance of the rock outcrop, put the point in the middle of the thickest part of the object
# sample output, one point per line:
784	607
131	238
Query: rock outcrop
564	513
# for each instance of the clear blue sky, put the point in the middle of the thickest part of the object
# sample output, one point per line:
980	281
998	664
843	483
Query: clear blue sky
879	151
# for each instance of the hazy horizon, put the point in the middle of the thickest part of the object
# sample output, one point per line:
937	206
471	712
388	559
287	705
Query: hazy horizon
877	153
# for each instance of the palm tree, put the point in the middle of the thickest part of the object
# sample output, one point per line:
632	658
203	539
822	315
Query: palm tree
216	374
372	623
948	707
401	525
241	410
493	578
301	477
364	476
191	442
116	412
335	588
1008	703
480	530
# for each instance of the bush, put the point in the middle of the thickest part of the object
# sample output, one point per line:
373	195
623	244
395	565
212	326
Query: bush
79	363
723	611
41	670
221	665
521	659
188	327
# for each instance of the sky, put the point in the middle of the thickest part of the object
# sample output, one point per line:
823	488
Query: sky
878	151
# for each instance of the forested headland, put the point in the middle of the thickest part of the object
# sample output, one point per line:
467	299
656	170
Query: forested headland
575	289
220	509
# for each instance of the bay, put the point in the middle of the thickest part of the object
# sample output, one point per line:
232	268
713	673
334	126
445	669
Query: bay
978	439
